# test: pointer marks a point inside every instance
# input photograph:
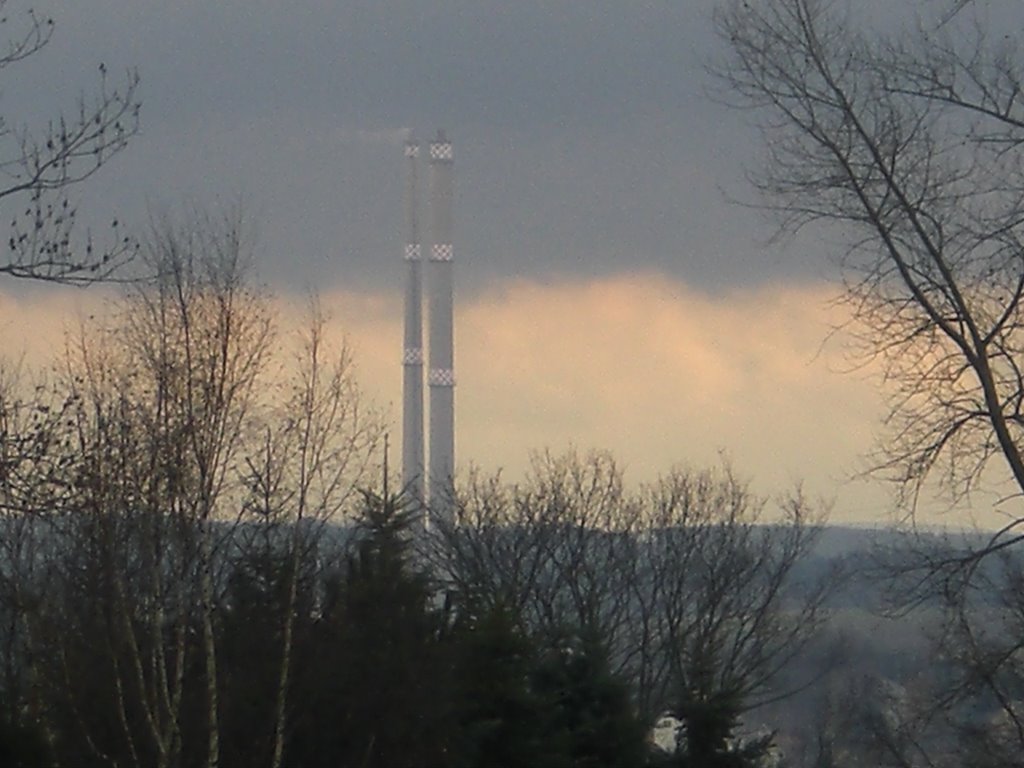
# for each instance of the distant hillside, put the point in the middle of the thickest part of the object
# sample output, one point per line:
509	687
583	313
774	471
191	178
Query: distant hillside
839	540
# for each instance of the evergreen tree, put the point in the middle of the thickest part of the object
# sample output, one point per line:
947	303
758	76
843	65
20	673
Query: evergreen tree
23	746
250	647
520	702
707	738
591	714
379	692
501	719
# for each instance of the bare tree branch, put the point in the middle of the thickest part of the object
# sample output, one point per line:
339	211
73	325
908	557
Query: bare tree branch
41	170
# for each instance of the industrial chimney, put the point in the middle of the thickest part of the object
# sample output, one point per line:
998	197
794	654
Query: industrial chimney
441	375
412	354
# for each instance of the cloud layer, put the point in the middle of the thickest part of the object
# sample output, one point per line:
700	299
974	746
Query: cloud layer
662	375
657	372
582	133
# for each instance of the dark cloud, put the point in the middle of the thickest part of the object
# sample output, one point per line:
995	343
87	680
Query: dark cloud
584	142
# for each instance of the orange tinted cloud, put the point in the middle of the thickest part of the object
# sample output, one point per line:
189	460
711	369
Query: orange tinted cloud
656	372
642	365
35	321
662	375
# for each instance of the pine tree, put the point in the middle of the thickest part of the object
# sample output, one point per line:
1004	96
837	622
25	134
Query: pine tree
380	688
23	746
501	719
591	714
707	738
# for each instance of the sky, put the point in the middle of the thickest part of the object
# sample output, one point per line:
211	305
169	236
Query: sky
610	291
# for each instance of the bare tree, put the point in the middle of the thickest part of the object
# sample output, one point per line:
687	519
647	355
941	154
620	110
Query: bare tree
42	168
981	701
553	550
318	451
591	517
688	584
723	608
911	145
173	446
207	335
491	551
161	403
30	467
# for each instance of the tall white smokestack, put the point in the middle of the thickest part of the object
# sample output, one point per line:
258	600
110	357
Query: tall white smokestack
441	375
412	354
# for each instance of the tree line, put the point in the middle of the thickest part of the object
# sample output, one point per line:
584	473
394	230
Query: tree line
201	564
